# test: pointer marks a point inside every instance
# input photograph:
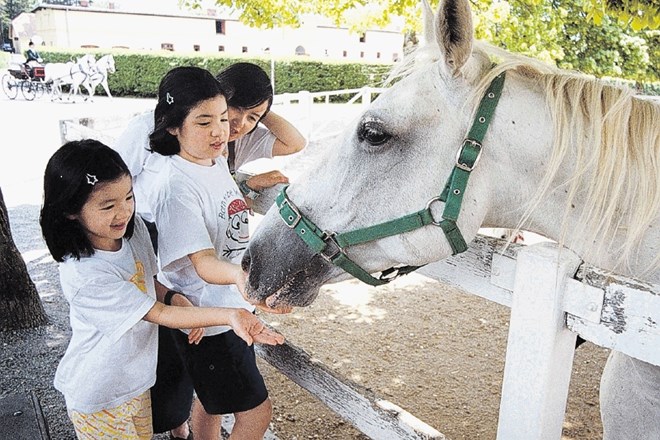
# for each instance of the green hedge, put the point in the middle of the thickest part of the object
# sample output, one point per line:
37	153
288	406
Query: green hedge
138	74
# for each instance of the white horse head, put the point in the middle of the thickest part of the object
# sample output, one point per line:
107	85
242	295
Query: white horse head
565	155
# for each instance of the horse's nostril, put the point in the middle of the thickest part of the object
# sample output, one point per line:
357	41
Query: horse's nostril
246	261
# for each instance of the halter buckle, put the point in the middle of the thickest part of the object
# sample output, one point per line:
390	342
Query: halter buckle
464	166
291	222
331	245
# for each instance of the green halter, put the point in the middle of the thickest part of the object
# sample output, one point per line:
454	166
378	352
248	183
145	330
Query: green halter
331	245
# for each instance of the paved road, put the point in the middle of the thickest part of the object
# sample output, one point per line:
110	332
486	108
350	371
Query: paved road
31	133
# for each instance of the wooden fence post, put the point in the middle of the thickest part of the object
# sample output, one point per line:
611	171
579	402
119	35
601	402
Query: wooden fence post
539	356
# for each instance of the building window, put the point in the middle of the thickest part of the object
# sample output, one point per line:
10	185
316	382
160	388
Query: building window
361	54
221	48
196	47
345	54
300	50
378	55
244	49
167	46
363	38
395	57
220	27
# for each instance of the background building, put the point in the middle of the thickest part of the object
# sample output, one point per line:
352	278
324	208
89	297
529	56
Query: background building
130	25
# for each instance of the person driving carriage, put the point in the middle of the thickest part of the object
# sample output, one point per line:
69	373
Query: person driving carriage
32	60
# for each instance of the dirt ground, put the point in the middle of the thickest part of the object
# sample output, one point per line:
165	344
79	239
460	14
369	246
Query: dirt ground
433	350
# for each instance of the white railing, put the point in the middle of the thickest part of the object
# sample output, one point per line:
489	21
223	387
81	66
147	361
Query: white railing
302	107
553	297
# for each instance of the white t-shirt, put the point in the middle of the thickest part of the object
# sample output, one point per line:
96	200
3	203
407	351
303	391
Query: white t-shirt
111	357
133	147
199	207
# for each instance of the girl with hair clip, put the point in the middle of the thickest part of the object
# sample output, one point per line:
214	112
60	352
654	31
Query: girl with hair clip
255	132
202	223
107	268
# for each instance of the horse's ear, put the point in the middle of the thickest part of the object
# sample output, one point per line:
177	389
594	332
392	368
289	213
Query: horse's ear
428	37
454	33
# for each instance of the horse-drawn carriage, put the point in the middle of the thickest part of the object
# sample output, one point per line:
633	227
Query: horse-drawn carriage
34	81
29	80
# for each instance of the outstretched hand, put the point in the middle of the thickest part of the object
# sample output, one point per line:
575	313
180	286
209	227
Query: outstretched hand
251	329
262	181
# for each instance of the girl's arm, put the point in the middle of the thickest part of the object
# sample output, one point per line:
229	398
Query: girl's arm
289	139
245	324
196	334
215	271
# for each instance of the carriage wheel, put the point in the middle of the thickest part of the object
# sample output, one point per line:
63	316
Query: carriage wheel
29	90
9	86
39	88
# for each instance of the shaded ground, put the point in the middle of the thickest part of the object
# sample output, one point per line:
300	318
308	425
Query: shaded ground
433	350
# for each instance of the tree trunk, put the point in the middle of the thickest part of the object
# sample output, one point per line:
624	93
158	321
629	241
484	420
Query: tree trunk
20	306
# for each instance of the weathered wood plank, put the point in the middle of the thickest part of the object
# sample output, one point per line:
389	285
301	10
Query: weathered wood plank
375	417
627	319
539	354
472	270
630	319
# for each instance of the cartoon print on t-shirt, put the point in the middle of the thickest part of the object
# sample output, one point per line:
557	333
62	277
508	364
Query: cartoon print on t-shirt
138	277
238	232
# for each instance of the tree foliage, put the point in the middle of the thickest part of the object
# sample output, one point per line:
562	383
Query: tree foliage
602	37
640	14
10	9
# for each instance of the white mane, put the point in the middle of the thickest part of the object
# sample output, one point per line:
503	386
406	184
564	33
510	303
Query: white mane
618	165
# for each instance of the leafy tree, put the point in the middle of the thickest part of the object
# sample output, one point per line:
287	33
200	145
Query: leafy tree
640	14
10	9
601	37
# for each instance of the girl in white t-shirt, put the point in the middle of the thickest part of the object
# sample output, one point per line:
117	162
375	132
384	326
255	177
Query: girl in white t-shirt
107	268
202	223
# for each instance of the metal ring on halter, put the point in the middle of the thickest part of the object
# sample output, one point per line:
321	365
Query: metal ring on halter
428	207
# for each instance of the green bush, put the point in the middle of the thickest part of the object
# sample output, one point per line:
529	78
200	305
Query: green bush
138	74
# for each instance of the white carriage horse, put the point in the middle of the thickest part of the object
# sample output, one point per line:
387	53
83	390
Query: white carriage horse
72	74
585	153
103	66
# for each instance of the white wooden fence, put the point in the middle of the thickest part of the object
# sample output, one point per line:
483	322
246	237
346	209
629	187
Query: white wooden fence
553	297
331	125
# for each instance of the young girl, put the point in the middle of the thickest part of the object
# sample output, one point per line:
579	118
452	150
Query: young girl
203	230
249	104
250	100
107	269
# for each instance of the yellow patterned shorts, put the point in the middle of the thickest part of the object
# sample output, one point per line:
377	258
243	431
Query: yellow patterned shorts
130	420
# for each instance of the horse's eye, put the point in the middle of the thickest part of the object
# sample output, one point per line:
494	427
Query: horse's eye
372	132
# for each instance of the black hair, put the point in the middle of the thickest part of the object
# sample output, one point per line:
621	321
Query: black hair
249	83
67	187
180	90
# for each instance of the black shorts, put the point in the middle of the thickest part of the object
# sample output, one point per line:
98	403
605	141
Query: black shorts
224	372
172	395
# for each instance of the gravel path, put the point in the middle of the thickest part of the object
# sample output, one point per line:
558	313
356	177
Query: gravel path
30	357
